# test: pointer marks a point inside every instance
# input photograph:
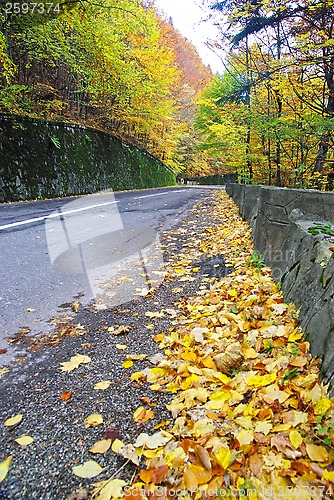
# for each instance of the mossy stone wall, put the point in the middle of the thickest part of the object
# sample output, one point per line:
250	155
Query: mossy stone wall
46	159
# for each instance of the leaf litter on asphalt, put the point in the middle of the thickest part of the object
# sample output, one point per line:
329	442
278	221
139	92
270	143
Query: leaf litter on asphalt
251	418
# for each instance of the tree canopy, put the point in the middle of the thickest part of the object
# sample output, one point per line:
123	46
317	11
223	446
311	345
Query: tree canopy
116	65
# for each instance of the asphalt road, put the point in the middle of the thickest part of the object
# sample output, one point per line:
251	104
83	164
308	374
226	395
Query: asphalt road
54	251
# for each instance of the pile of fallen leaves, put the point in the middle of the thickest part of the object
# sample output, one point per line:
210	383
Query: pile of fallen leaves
249	417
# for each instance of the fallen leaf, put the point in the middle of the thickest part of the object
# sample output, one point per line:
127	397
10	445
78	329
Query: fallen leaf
101	446
142	415
93	420
264	427
116	445
295	438
261	380
65	396
10	422
223	457
204	457
3	371
75	362
87	470
190	480
3	351
255	464
113	488
152	442
203	475
127	364
129	453
121	347
322	406
24	440
317	453
75	306
111	434
120	330
102	386
4	467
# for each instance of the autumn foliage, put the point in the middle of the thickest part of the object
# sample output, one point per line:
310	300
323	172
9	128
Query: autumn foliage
115	65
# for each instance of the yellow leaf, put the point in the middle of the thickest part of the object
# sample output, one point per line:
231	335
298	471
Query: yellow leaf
101	446
329	475
245	437
322	406
127	364
317	453
24	440
113	488
233	293
261	380
121	347
223	457
116	445
137	376
155	374
87	470
74	362
281	396
102	386
142	415
250	353
295	336
93	420
162	424
4	467
13	420
3	371
155	387
295	438
264	427
203	427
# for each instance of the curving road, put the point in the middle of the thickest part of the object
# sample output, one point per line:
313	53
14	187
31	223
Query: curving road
51	251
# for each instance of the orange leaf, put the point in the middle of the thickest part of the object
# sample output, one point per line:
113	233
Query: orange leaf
212	415
146	475
34	348
160	474
202	475
190	480
65	396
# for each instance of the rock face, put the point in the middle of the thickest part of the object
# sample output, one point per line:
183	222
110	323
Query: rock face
45	159
303	262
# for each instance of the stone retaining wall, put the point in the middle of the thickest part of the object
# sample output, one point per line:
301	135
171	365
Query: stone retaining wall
45	159
303	263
